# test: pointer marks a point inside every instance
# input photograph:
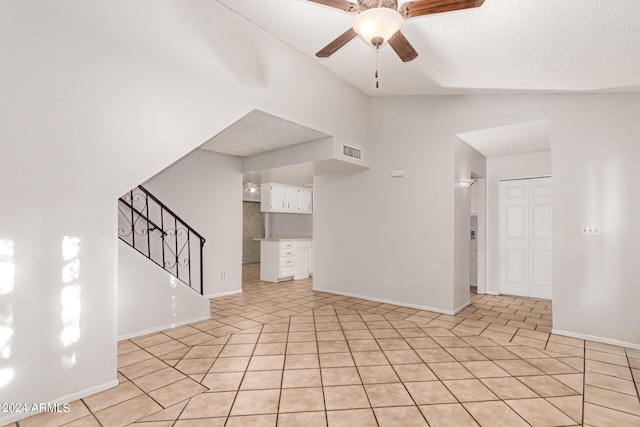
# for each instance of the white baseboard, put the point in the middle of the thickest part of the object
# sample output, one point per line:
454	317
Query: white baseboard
224	294
163	327
17	416
462	307
386	301
596	339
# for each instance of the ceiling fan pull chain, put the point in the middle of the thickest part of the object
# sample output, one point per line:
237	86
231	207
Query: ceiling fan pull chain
376	74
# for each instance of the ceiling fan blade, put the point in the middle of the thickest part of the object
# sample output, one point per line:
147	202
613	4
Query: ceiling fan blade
402	47
345	5
340	41
428	7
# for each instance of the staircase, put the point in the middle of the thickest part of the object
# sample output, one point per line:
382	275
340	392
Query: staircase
154	230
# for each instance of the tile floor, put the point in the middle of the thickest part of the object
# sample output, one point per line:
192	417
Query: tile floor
282	354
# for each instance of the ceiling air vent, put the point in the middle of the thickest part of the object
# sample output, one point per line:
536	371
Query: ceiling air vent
354	153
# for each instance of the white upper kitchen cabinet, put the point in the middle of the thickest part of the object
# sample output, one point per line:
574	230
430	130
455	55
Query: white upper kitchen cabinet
279	198
292	199
286	199
276	199
306	200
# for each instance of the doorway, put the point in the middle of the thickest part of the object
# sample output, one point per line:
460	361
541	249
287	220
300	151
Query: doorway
525	237
478	255
473	267
252	228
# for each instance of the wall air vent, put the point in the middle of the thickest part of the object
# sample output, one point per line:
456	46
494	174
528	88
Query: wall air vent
354	153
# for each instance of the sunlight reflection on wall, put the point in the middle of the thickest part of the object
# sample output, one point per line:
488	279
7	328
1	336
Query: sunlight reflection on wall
173	282
7	266
70	298
7	284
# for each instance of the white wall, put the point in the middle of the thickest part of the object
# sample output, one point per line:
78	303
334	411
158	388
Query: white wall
101	97
150	299
505	167
290	225
308	152
55	291
475	202
368	225
205	190
594	160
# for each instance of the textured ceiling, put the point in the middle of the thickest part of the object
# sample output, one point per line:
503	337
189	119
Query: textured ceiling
504	46
518	138
258	132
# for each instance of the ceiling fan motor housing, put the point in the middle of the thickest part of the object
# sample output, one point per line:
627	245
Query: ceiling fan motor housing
377	41
370	4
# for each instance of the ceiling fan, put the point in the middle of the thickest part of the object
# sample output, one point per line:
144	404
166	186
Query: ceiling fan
380	21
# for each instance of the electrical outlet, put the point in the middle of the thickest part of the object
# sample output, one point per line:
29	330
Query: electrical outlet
590	230
389	280
225	274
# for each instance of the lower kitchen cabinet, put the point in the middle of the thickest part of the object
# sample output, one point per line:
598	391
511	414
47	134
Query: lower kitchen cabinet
302	260
283	259
310	257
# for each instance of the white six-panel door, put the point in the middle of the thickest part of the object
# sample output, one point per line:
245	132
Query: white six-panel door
525	237
514	237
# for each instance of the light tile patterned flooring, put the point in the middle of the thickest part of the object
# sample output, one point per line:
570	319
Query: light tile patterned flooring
282	354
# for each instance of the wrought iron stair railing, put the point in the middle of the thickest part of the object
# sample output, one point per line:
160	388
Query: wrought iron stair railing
154	230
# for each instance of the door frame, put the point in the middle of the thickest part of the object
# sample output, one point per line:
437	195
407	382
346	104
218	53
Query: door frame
480	189
474	240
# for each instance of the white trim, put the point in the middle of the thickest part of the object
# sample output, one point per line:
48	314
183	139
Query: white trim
224	294
163	327
386	301
525	177
11	418
482	235
462	307
596	339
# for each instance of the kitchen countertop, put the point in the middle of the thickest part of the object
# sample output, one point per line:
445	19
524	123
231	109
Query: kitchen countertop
279	239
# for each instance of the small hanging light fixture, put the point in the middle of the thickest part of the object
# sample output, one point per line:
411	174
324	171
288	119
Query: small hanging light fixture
376	26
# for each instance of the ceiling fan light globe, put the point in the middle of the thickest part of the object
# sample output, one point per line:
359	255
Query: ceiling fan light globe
377	23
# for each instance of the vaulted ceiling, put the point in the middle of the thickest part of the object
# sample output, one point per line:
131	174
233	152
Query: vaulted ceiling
501	47
504	46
